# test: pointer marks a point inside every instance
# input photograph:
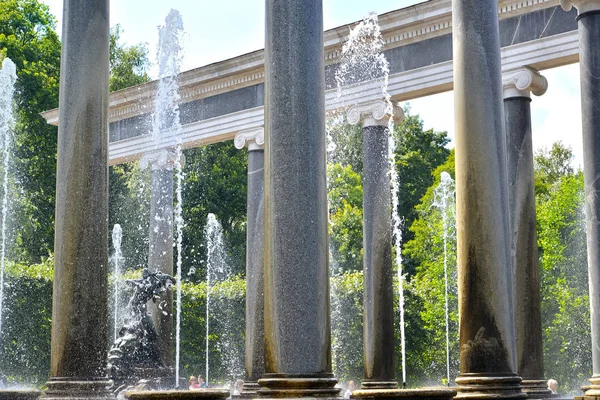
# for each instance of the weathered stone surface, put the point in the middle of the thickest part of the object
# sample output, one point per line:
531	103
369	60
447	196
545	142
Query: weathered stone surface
79	319
378	316
255	343
487	339
432	393
589	59
19	394
297	324
77	389
202	394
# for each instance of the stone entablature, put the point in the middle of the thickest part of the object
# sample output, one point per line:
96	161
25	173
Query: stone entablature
399	28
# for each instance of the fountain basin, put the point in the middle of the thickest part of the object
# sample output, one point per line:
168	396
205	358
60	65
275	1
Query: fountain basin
431	393
19	394
204	394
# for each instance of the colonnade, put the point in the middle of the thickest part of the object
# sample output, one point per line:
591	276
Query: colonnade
500	328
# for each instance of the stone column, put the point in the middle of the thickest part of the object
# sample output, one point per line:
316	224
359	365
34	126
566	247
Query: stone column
589	62
297	322
518	85
80	295
378	315
487	333
255	250
160	250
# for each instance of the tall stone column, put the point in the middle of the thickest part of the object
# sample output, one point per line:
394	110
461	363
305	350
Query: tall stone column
378	315
160	244
589	62
487	333
297	322
80	294
518	86
254	139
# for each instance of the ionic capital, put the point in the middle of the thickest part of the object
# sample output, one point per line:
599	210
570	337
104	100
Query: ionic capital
582	6
522	82
254	138
374	113
163	159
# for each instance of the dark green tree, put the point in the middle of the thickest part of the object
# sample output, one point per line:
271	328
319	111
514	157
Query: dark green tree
563	267
129	187
128	64
426	288
345	218
28	37
216	182
418	153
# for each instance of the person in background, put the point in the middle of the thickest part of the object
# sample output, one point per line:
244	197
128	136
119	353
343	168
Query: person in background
201	382
351	388
193	383
553	385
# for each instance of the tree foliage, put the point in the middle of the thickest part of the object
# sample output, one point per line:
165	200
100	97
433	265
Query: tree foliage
128	64
426	287
28	38
563	268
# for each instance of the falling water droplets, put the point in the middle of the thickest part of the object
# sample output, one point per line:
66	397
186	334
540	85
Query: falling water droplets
117	236
8	77
444	200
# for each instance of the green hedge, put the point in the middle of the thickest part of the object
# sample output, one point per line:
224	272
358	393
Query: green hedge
25	341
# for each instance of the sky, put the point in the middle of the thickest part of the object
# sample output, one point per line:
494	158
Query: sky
218	30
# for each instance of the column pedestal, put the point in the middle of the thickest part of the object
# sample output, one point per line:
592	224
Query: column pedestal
589	61
485	281
517	86
297	317
80	291
255	345
378	316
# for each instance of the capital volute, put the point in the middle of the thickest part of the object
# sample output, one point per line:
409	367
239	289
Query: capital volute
163	159
374	113
582	6
253	138
523	81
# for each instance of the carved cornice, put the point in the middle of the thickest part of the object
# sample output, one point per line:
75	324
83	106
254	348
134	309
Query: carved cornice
582	6
522	82
416	23
254	138
163	159
374	113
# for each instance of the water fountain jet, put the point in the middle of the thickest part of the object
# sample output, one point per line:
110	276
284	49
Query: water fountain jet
8	78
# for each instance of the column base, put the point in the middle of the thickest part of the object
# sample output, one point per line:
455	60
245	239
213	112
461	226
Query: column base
592	392
373	384
7	394
78	389
480	386
290	385
250	389
405	394
196	394
536	389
